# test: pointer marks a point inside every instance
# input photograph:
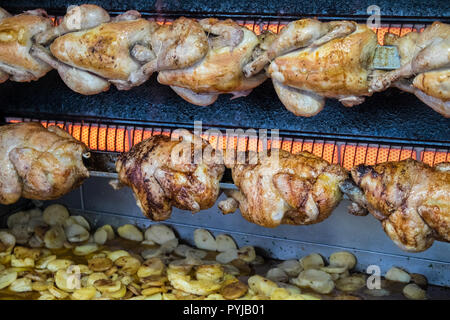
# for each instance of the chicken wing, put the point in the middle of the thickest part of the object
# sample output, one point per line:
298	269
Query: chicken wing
410	198
16	39
220	71
425	70
285	188
165	173
39	163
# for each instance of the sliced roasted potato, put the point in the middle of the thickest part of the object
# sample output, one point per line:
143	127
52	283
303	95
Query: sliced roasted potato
76	233
58	264
312	261
343	259
204	240
414	292
317	280
419	279
234	290
151	253
109	230
57	293
55	237
7	241
261	285
397	274
100	264
55	215
277	275
21	217
227	256
43	262
169	246
130	232
225	243
87	293
334	269
107	285
127	265
159	233
247	253
351	283
81	221
213	272
85	249
291	267
100	236
151	267
7	277
114	255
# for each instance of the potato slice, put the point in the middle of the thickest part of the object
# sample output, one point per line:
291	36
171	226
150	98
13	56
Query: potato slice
351	283
100	236
7	241
227	256
116	294
55	215
130	232
203	239
21	233
377	292
76	233
230	269
312	261
344	259
87	293
261	285
55	237
21	217
334	269
81	221
212	272
247	253
114	255
127	265
66	281
151	267
94	277
99	264
277	275
169	246
107	285
85	249
280	294
109	230
414	292
59	264
258	261
291	267
317	280
151	253
398	275
57	293
225	243
289	287
7	277
419	279
234	290
159	233
21	263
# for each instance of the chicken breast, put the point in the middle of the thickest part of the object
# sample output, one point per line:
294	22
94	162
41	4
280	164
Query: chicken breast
164	173
39	163
287	188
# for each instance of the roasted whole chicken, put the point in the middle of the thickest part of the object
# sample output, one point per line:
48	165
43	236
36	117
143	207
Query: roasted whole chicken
16	39
425	70
284	188
164	173
410	198
90	50
39	163
220	71
311	60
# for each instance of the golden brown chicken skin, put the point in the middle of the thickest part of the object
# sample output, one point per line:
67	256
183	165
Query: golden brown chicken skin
39	163
161	179
16	39
220	71
296	189
410	198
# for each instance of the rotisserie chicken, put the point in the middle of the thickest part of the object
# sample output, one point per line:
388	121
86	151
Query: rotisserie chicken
287	188
39	163
164	173
410	198
94	50
310	61
220	71
16	39
425	70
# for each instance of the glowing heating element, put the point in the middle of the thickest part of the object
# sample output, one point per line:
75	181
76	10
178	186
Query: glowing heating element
120	138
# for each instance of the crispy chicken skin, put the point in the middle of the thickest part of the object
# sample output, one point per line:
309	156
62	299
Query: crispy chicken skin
220	71
310	60
410	198
39	163
90	50
159	180
425	66
296	189
16	39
